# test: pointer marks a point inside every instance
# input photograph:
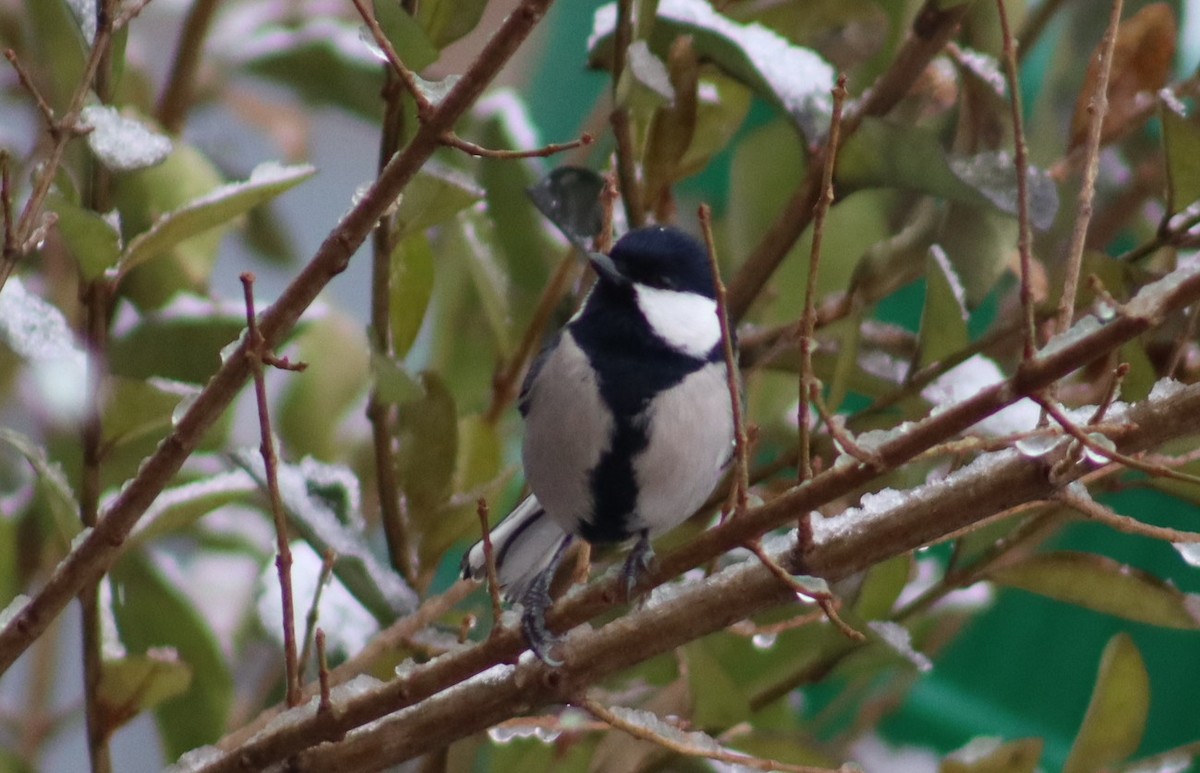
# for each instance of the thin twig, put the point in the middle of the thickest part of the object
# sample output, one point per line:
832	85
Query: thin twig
176	97
283	559
741	444
407	76
42	105
1122	523
10	238
826	601
1098	108
506	384
680	745
932	27
1112	455
1186	336
1021	166
92	556
310	620
489	562
324	704
450	139
808	321
836	425
622	124
380	413
1110	393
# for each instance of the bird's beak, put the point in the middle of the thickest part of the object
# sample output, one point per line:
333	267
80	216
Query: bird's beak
605	267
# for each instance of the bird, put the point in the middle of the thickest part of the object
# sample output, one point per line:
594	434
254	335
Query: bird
628	421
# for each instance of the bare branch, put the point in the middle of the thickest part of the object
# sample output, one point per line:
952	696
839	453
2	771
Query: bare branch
1087	188
1021	166
732	380
103	545
254	352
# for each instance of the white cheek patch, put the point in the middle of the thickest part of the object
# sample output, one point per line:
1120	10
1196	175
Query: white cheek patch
686	321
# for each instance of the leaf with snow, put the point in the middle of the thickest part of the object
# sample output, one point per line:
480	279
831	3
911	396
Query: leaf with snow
267	181
944	318
348	625
135	683
899	639
987	754
795	79
180	506
52	482
377	587
435	195
93	239
122	143
868	160
966	380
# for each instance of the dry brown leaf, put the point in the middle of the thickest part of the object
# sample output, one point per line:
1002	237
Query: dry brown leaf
1142	60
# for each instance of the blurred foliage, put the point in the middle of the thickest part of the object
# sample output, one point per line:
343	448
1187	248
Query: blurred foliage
925	209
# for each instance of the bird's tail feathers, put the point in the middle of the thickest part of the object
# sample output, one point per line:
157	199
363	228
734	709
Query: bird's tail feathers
524	544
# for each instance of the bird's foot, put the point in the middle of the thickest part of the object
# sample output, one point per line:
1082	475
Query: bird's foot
637	563
536	601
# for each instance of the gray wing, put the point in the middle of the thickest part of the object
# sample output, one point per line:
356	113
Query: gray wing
523	544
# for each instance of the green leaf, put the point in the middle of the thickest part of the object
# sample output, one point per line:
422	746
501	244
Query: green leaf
339	365
405	34
992	755
218	207
472	236
323	60
944	319
322	522
133	684
718	701
53	487
794	79
142	197
134	409
123	143
477	473
720	112
150	612
868	160
178	507
445	21
1181	145
393	384
881	587
1101	584
92	239
428	447
434	196
181	342
673	125
411	283
1116	715
979	242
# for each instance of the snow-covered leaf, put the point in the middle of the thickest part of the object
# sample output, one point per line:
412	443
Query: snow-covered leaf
377	587
944	319
93	239
123	143
222	205
794	78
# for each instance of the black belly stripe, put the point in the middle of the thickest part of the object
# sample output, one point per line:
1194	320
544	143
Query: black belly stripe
614	487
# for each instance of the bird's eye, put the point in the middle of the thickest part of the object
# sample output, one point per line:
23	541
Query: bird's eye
662	282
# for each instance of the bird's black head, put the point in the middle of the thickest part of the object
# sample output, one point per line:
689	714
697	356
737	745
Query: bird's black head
660	257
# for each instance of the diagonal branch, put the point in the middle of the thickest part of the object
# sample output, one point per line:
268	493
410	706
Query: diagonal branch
92	557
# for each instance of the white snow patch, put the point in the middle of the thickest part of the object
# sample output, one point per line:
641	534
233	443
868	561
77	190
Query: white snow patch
968	379
123	144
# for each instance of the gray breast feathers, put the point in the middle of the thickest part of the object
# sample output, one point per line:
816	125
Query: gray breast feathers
690	445
567	429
